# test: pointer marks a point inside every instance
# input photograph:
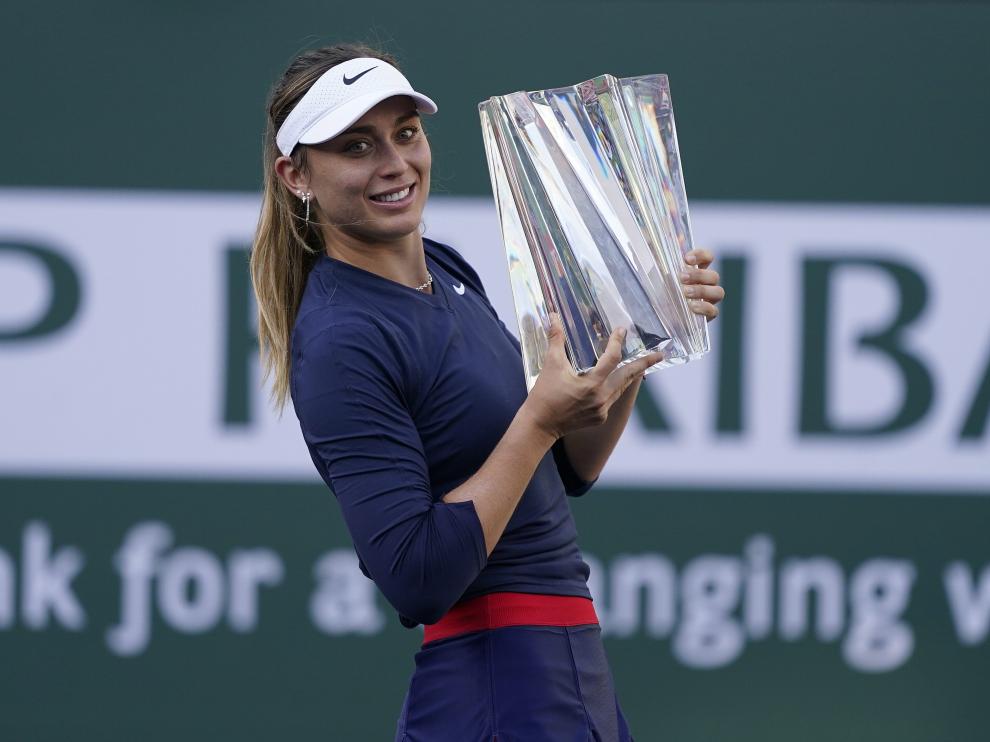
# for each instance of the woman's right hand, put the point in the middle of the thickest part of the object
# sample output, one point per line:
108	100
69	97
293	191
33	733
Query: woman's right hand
562	400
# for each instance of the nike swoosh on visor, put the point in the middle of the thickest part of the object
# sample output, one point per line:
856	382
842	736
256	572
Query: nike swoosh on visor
356	77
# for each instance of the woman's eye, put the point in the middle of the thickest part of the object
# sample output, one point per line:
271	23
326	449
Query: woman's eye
358	147
409	132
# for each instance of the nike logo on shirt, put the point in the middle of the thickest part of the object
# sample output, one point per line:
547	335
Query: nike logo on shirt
352	80
460	289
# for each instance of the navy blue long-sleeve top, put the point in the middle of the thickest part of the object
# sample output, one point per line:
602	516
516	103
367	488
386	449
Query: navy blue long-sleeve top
402	396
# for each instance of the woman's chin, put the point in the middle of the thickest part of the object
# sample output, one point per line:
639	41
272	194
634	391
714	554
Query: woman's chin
394	231
401	225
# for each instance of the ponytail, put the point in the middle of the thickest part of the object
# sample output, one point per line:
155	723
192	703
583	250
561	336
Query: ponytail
285	245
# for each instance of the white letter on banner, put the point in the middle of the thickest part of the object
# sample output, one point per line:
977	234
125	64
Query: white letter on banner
631	576
877	641
708	636
969	602
344	601
46	580
758	601
201	570
799	577
136	562
249	570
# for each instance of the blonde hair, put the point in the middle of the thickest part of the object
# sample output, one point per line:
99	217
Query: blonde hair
285	245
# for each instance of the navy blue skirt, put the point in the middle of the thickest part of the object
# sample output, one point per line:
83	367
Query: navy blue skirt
513	684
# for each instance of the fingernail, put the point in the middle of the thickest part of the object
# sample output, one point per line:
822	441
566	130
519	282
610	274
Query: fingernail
685	276
622	333
692	259
690	291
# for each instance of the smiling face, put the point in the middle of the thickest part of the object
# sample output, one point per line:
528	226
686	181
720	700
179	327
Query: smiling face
371	181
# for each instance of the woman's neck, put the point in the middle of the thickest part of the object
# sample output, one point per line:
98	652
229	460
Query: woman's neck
402	261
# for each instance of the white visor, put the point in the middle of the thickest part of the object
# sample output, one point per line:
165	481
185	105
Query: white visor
341	96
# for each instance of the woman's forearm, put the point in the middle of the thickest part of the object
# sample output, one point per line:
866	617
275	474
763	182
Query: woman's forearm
589	448
498	485
561	404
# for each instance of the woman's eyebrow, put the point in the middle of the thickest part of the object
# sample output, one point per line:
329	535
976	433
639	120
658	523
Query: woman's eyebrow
368	129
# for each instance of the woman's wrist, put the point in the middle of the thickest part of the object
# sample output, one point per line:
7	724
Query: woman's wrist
540	434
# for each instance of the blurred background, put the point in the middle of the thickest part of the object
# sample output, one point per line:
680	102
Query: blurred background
789	543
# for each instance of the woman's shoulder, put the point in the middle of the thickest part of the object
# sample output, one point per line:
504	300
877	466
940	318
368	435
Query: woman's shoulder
327	306
342	348
330	324
323	322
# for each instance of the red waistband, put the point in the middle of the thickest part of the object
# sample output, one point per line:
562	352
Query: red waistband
495	610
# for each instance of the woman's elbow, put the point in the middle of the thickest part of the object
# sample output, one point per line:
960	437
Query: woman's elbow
426	590
420	607
435	559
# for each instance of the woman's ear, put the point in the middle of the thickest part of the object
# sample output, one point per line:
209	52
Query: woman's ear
295	180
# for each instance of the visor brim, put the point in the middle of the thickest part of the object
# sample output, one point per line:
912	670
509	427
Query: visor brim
340	118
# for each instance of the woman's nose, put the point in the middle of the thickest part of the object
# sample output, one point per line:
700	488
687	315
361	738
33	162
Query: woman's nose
392	161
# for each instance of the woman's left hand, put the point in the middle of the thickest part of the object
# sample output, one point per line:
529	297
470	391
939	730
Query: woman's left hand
701	284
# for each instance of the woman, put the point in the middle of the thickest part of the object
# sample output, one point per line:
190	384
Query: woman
411	398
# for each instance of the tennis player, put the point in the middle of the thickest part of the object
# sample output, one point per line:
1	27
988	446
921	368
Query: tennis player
411	398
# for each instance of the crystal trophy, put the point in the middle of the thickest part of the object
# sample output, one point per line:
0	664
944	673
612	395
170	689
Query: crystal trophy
590	195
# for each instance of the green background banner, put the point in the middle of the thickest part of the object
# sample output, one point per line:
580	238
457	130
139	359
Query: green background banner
289	676
809	101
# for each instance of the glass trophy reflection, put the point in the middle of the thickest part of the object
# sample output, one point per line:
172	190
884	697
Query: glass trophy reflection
590	195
